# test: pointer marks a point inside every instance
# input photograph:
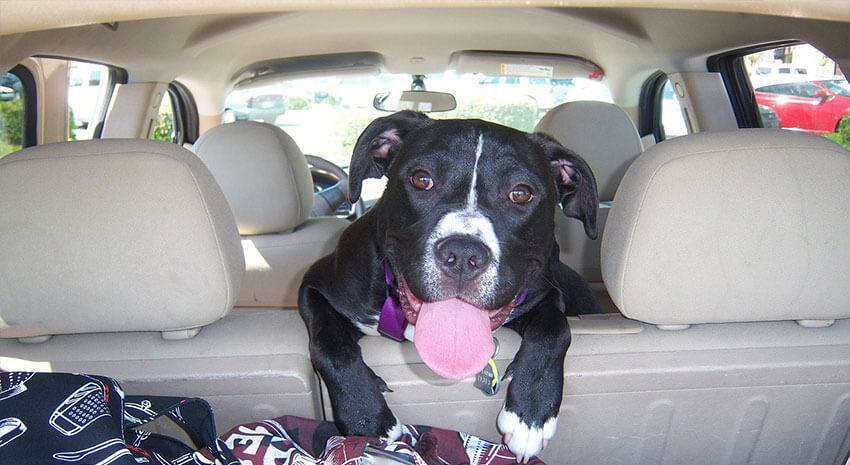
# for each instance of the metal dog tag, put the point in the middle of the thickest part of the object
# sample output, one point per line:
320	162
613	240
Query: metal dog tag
488	380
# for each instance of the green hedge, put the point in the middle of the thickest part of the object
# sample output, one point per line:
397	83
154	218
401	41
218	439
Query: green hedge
517	112
295	102
164	128
842	133
11	126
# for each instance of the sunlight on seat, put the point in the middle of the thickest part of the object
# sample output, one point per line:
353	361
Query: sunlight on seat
254	260
18	364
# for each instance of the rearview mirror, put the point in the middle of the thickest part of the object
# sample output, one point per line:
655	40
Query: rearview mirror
417	100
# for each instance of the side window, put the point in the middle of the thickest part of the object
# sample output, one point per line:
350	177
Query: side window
799	88
12	114
94	78
672	121
177	118
778	89
89	91
660	111
808	90
165	124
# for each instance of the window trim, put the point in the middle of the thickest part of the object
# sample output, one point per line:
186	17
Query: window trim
30	88
649	106
730	65
185	113
116	76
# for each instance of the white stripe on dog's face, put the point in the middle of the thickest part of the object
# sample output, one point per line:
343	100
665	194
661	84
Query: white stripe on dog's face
471	222
472	198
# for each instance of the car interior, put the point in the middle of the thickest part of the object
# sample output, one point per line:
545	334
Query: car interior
158	231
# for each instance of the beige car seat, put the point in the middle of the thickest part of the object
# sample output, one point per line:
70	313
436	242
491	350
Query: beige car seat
121	257
604	135
268	184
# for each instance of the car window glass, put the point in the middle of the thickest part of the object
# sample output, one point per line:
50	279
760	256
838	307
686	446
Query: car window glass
165	125
799	88
840	87
11	114
780	89
808	90
88	94
325	115
672	117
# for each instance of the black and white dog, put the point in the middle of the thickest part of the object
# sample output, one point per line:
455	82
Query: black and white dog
463	241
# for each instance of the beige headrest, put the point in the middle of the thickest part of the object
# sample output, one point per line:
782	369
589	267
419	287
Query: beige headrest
263	174
750	225
113	235
602	133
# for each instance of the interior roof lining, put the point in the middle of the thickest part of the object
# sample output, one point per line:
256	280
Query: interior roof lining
33	15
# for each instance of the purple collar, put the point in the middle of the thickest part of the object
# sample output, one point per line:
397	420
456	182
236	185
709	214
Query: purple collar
392	322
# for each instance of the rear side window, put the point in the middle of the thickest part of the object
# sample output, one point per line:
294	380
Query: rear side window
177	118
11	114
661	113
165	125
17	118
673	121
89	91
797	87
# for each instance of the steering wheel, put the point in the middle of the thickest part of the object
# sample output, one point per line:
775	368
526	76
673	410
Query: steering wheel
328	200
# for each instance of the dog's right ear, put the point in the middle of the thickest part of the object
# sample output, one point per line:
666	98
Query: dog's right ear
378	145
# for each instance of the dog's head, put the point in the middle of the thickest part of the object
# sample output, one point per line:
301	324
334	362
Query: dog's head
467	217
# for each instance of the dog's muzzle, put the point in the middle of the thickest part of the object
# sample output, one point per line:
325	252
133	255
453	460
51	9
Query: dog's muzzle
453	337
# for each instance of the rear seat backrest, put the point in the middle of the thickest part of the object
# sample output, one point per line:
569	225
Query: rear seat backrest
113	235
604	135
750	225
268	184
122	239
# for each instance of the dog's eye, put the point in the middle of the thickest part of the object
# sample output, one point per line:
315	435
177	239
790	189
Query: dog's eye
521	194
422	180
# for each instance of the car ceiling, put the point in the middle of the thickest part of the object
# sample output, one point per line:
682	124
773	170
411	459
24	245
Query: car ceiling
206	51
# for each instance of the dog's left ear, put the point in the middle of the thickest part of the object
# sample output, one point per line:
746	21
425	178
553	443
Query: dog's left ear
378	145
576	184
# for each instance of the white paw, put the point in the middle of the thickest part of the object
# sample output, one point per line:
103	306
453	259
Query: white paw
394	432
525	440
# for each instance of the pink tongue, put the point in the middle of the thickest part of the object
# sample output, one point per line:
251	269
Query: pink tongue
453	338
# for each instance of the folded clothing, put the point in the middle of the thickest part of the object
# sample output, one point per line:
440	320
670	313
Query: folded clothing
290	439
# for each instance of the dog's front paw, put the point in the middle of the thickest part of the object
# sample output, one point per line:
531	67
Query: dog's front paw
377	423
393	433
525	439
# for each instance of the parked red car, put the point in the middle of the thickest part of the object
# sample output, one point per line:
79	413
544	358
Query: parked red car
813	106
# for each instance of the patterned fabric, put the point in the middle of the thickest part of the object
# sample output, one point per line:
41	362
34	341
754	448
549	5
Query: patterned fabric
78	419
292	440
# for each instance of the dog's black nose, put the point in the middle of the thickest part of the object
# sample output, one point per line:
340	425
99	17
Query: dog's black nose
462	257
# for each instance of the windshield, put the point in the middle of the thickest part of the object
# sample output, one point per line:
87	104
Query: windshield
325	115
839	86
